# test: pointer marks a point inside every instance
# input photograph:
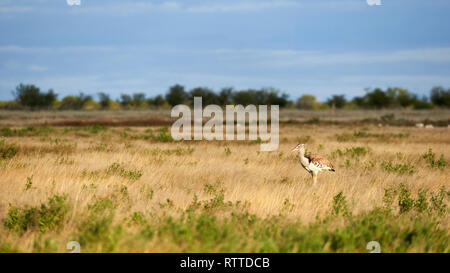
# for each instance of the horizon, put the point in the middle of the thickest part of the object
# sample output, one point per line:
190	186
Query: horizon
95	97
321	48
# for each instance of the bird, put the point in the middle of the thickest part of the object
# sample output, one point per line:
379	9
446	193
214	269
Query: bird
313	163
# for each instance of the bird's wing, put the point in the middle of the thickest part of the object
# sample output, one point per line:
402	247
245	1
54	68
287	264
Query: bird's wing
319	161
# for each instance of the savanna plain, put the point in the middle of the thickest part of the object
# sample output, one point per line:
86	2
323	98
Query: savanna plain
118	188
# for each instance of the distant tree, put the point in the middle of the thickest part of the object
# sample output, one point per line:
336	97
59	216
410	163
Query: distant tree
157	101
244	97
394	97
31	96
138	99
422	103
125	100
440	97
104	100
403	97
360	101
265	96
306	102
74	102
134	101
272	97
337	100
225	96
378	99
176	95
208	96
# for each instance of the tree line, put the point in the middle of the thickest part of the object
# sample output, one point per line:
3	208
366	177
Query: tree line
29	96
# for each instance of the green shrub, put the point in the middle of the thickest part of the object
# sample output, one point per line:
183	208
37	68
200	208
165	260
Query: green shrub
389	197
131	174
7	151
179	151
340	205
117	169
138	218
98	230
405	202
435	203
366	135
94	129
163	135
406	168
44	218
430	158
218	197
27	131
353	152
102	205
421	203
438	200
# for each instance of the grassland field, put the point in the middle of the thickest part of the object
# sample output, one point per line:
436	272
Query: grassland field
116	187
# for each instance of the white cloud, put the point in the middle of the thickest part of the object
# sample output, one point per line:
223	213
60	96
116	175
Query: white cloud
295	58
279	58
21	49
62	49
15	9
242	6
37	68
126	8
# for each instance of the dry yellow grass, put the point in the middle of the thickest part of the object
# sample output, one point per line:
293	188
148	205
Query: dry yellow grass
75	163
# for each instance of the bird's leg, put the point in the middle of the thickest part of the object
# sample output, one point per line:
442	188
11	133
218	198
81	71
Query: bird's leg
314	176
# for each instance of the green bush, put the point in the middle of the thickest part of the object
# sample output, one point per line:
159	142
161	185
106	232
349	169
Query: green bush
340	205
352	152
399	168
437	200
7	151
27	131
98	230
44	218
430	158
405	202
117	169
433	203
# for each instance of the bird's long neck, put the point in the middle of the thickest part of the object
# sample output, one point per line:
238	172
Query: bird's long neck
301	153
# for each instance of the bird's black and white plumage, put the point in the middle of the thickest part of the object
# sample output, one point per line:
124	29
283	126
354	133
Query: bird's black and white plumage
313	163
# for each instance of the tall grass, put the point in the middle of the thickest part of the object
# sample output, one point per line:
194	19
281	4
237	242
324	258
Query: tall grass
126	193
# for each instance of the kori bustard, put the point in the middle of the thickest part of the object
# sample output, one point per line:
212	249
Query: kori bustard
313	163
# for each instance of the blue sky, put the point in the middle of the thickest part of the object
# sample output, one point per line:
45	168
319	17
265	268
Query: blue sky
320	47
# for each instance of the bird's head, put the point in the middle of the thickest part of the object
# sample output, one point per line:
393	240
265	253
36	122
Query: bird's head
299	147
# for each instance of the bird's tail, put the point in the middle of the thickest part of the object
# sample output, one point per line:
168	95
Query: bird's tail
332	170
